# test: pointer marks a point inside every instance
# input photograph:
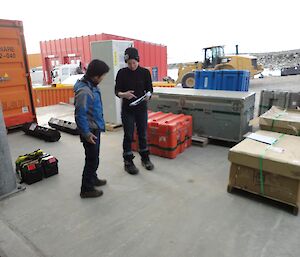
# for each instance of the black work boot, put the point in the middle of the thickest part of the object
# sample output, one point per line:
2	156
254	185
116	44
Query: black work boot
146	160
91	193
99	182
129	165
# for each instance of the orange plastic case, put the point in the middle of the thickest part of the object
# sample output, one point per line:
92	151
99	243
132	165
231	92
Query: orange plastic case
168	134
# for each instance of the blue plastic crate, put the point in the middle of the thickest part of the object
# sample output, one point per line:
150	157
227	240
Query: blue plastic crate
244	80
205	80
197	79
230	80
218	79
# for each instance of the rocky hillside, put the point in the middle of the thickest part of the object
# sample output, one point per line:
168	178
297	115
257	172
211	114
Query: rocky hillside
278	60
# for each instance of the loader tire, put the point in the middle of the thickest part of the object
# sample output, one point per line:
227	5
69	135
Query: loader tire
188	80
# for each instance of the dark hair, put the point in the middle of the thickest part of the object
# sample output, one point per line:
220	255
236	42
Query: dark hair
97	68
131	53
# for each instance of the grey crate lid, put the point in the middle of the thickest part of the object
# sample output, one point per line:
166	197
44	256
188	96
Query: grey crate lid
203	93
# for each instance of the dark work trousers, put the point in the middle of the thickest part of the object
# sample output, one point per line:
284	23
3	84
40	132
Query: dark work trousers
92	151
129	119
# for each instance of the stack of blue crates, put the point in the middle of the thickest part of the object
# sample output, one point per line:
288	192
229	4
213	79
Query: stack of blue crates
231	80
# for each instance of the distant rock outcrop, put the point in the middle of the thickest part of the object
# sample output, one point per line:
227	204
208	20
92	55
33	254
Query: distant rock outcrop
279	60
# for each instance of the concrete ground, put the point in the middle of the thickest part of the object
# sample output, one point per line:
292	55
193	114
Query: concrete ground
181	209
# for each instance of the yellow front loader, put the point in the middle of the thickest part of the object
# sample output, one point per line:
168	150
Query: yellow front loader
215	59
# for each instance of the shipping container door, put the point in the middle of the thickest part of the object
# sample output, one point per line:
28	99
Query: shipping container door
15	88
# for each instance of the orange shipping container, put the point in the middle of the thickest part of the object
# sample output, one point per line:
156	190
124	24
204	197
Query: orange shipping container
15	85
34	60
51	96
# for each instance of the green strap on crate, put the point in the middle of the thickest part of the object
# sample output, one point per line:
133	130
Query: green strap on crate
261	159
168	149
261	177
273	121
278	116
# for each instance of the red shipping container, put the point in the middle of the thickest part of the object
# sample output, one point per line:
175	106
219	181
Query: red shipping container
168	134
68	50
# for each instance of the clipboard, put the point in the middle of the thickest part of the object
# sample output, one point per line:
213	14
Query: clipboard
141	99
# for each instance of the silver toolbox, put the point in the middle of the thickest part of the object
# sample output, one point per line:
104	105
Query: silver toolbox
217	114
280	98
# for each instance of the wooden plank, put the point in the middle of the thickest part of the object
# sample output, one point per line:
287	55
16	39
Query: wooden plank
201	141
294	207
279	189
112	127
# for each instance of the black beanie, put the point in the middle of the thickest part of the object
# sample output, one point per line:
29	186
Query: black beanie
131	53
97	68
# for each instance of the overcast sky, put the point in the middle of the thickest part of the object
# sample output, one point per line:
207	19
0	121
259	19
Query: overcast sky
184	26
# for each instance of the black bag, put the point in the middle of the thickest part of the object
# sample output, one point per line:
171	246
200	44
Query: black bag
48	134
29	157
49	164
31	172
63	125
35	166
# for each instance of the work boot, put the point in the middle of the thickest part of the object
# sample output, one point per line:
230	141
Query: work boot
146	160
129	165
148	164
91	194
100	182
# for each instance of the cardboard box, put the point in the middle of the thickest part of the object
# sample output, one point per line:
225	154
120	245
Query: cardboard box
277	187
285	121
275	158
281	158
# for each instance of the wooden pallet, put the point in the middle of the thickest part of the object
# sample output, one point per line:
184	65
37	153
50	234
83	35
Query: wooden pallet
112	126
294	209
201	141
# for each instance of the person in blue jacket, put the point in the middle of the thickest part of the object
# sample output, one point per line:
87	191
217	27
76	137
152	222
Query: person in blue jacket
90	122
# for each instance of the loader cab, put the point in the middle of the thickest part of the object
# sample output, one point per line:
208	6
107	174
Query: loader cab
212	56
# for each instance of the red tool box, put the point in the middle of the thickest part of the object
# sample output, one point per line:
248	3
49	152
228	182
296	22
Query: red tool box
168	134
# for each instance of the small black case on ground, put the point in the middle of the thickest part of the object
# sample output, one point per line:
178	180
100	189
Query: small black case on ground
31	172
49	164
47	134
64	126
